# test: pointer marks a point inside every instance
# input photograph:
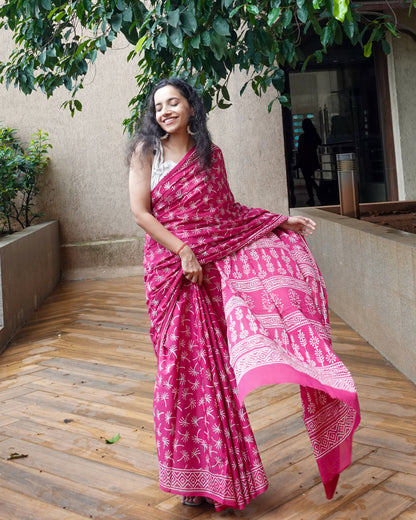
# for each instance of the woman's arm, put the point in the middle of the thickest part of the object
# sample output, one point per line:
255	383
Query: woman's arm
140	203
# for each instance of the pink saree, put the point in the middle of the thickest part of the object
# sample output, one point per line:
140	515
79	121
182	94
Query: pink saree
260	317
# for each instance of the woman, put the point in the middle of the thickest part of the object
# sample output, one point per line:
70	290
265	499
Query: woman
308	160
236	301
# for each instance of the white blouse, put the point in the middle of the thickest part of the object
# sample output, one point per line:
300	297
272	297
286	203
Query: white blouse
160	168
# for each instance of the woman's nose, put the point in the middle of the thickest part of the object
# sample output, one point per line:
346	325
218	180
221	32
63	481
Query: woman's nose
165	110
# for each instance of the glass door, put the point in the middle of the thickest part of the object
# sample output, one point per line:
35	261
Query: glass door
340	100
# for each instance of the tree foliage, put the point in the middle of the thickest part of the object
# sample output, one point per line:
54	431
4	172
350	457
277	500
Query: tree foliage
200	40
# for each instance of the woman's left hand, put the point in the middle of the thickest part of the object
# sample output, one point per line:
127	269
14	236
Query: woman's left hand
301	225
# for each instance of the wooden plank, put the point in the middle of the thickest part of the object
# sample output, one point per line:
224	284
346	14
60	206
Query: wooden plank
89	426
386	439
401	483
55	490
18	507
75	468
93	447
375	504
311	504
62	407
381	421
390	459
389	408
409	514
283	408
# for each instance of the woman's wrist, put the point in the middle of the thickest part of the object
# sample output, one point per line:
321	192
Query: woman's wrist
181	248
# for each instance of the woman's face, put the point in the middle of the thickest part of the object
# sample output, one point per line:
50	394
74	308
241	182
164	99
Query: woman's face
172	110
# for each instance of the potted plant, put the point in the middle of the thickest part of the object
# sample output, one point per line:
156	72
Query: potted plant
20	171
29	254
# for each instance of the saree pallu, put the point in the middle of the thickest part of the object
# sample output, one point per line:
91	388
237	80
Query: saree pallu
260	317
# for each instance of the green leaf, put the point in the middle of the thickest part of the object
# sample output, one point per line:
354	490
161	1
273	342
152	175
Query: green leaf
46	4
102	44
59	16
368	48
319	56
235	10
302	13
189	22
222	104
253	9
78	105
349	28
14	456
273	16
140	43
52	13
340	9
278	80
288	50
206	39
68	83
225	93
162	40
221	26
51	52
386	46
196	41
176	37
326	35
173	18
113	439
270	105
287	18
392	29
218	45
128	14
116	22
284	101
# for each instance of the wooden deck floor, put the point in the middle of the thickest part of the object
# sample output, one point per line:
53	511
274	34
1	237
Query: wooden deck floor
82	371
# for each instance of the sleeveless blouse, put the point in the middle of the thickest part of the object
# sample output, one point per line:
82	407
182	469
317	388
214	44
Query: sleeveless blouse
160	167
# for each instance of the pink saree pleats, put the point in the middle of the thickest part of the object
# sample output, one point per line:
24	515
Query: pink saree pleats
204	440
260	317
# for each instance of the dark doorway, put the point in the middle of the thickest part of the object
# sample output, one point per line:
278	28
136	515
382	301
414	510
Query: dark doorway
340	96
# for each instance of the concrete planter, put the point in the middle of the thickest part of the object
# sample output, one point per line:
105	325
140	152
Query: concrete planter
370	272
29	271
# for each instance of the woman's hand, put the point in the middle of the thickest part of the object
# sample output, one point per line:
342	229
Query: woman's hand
191	268
301	225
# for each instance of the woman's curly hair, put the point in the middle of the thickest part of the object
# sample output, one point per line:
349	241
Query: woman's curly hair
149	131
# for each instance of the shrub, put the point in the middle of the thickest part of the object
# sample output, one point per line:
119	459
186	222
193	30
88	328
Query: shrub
20	172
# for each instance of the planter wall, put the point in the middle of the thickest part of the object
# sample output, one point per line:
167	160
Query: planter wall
29	271
370	272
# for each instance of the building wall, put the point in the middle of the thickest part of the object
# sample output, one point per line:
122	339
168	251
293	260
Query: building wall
86	185
402	74
370	275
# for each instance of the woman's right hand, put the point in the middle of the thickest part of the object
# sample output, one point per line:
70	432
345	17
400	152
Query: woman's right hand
191	268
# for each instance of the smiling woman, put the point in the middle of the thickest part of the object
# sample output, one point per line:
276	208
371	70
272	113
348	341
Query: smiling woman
236	301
